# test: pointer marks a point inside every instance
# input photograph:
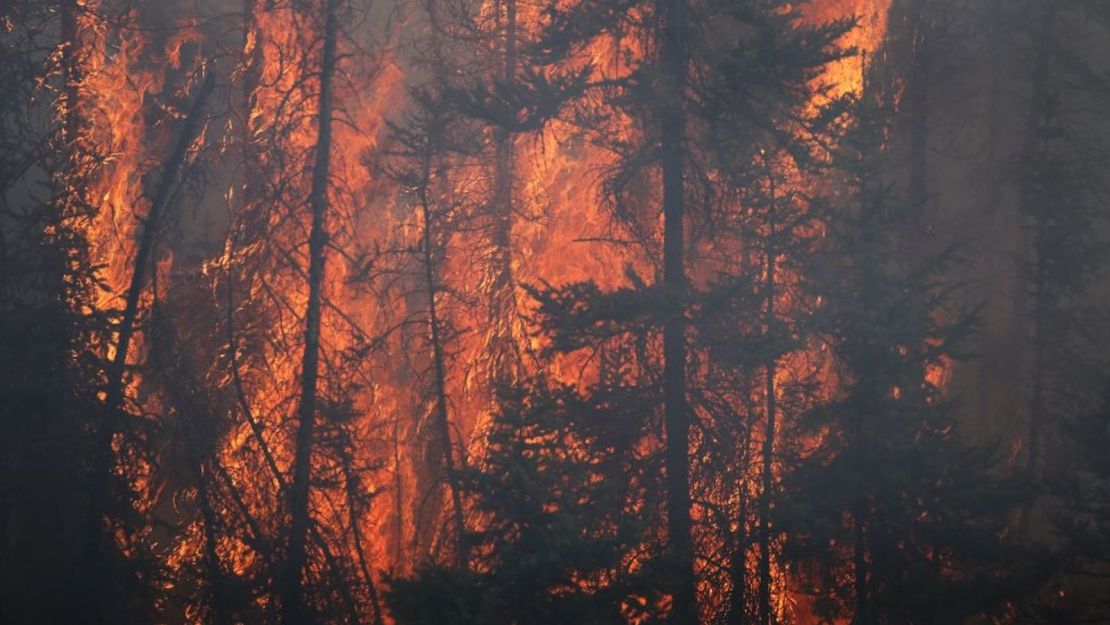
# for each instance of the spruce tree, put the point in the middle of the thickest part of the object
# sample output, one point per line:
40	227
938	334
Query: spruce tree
892	518
556	535
430	144
1061	187
705	107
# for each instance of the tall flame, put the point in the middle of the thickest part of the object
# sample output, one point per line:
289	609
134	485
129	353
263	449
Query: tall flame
258	286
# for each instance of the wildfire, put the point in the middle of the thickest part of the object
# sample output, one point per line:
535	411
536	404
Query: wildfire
846	75
562	233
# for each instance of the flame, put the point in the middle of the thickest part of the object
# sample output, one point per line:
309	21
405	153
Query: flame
116	88
258	287
846	75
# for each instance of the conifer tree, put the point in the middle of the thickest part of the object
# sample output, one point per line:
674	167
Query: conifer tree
892	518
47	397
557	530
1062	190
705	105
430	145
49	332
291	592
1078	591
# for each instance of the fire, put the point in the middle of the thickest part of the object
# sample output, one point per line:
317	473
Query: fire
372	356
115	90
846	75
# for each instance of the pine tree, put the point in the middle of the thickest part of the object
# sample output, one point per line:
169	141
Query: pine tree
429	144
291	592
48	330
704	105
892	518
47	398
556	539
1082	484
1061	193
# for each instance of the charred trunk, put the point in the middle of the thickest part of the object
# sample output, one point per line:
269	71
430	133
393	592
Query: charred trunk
766	615
292	601
860	577
676	411
442	422
117	366
1035	272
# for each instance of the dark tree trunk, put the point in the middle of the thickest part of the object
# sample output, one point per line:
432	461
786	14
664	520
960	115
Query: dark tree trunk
292	601
218	596
192	416
738	570
1037	282
859	567
116	369
995	369
765	581
360	552
676	413
398	496
275	472
442	423
917	104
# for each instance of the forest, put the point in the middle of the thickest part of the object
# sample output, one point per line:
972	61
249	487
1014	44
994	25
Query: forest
554	312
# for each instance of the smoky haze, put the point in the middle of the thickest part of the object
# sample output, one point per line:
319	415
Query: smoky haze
580	311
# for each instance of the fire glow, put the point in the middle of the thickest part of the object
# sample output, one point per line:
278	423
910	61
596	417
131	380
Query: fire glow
385	503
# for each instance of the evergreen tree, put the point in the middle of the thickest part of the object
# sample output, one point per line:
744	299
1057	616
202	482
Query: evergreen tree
557	536
1061	188
1078	593
49	330
719	85
430	144
290	589
891	518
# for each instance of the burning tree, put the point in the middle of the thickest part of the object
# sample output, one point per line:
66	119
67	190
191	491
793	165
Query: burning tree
333	311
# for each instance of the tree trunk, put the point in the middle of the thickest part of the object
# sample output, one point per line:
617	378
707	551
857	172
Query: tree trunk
676	414
765	581
275	472
218	602
292	608
738	569
917	104
995	368
859	567
505	361
113	402
443	424
1038	110
398	496
363	563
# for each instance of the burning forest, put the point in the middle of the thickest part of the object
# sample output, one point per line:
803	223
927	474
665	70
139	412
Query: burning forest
554	312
